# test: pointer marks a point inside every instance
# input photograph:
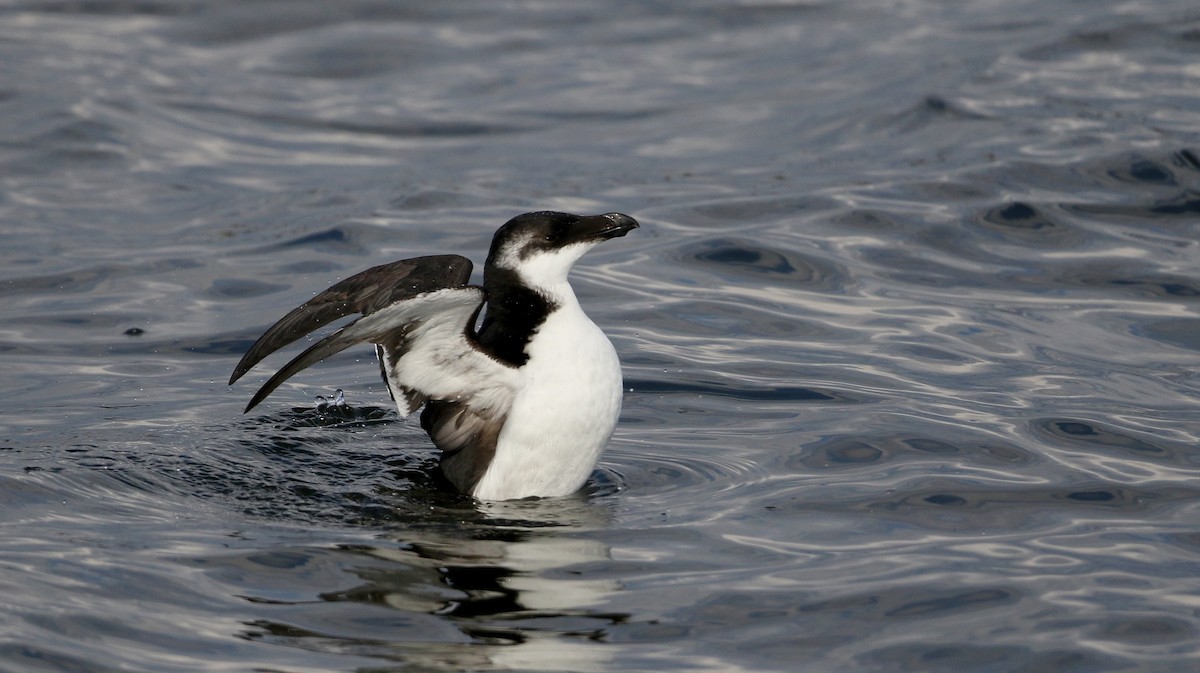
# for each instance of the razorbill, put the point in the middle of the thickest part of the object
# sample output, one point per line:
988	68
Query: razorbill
521	406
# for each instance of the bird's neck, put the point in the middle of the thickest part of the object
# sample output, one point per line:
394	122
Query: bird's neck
515	311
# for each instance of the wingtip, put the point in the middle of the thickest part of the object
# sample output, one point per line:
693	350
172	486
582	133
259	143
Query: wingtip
260	394
245	364
254	401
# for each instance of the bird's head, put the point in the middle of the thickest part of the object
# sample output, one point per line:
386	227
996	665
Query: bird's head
540	248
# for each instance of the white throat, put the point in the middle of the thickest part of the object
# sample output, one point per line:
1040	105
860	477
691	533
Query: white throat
546	271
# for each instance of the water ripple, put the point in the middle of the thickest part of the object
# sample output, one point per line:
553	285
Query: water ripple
909	334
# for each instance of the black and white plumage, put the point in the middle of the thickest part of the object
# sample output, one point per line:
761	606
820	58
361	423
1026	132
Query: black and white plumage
521	407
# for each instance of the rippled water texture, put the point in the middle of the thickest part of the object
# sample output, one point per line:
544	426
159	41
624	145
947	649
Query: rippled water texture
910	334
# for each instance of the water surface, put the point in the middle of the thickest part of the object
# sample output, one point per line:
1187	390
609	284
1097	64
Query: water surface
910	332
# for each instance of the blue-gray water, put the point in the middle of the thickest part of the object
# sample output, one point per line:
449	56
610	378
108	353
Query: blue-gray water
911	334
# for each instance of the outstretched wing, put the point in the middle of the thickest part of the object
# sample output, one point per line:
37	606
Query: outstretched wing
436	355
418	310
420	315
364	292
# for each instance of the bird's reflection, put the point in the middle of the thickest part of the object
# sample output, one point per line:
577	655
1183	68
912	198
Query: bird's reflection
509	578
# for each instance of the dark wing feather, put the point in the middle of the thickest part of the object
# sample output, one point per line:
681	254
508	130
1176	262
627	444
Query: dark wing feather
364	293
438	356
330	345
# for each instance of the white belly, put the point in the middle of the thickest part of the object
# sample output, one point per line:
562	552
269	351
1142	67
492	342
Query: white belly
563	414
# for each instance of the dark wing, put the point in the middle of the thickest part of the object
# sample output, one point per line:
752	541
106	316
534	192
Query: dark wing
364	292
438	356
367	293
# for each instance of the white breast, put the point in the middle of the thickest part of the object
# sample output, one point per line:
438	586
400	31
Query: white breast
564	412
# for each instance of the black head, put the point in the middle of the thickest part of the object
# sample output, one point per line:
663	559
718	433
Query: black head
559	238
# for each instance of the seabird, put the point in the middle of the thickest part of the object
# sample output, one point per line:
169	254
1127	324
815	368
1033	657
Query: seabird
521	406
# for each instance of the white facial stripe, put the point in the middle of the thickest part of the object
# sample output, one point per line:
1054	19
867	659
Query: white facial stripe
547	270
510	254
